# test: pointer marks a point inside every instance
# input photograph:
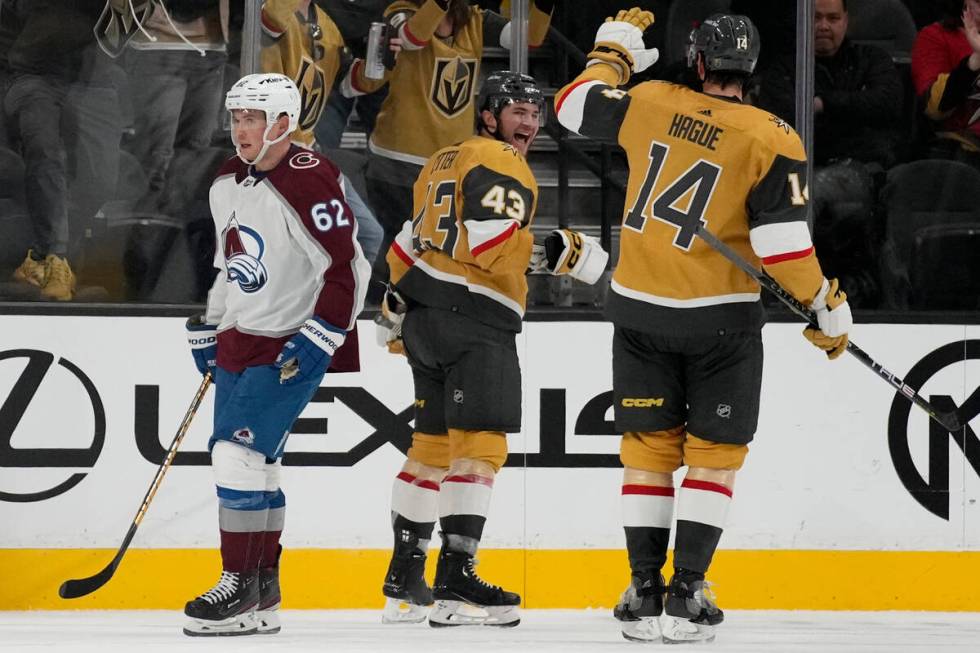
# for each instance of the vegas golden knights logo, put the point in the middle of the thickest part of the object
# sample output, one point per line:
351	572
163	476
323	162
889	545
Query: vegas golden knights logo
452	85
313	95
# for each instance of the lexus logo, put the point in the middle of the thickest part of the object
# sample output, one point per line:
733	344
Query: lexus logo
933	495
67	384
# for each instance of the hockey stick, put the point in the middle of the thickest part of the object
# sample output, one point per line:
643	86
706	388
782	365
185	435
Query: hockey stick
72	589
949	420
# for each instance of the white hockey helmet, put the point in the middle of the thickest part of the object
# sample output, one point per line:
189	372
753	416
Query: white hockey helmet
272	93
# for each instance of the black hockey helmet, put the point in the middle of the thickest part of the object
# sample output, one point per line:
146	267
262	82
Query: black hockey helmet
728	42
503	87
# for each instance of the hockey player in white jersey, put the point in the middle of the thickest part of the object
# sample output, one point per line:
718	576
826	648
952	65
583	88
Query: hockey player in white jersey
290	284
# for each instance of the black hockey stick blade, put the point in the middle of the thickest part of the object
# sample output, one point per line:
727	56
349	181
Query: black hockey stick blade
79	587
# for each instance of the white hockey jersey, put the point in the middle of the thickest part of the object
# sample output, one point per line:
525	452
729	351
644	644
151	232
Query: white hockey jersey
286	250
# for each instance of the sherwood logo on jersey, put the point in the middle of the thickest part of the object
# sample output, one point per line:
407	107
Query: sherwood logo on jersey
452	85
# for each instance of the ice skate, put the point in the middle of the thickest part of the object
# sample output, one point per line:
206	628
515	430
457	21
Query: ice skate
267	613
464	599
408	596
690	613
228	608
640	608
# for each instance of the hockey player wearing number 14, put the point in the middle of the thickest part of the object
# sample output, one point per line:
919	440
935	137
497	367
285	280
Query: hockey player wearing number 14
291	281
687	321
457	296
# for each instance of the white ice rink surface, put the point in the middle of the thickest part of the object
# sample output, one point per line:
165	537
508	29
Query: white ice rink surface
541	631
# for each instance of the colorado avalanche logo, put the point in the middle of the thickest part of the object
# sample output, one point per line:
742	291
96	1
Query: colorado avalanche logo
243	256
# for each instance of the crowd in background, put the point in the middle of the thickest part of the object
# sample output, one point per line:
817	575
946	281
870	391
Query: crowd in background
112	126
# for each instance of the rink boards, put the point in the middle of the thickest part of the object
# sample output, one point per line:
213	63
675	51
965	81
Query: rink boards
848	499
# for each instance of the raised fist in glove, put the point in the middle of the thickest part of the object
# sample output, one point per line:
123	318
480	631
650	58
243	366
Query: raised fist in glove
203	339
570	252
308	353
833	317
619	42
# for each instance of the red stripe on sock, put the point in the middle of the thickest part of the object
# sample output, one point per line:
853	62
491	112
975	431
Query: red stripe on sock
420	482
708	486
469	478
651	490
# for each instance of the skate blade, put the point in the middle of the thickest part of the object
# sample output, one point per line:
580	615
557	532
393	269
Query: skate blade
677	630
644	629
268	620
397	611
447	614
243	624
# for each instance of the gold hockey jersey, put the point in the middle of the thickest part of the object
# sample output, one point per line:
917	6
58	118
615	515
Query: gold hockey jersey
697	160
431	89
467	248
289	47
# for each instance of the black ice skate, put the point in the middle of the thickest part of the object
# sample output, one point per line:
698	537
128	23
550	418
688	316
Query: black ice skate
270	598
640	607
408	595
690	611
228	608
465	599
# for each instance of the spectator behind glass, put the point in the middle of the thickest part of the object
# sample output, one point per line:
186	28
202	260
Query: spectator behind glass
946	76
430	96
60	110
300	40
175	64
353	18
857	108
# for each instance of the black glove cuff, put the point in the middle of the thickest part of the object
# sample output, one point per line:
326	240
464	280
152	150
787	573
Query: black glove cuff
553	248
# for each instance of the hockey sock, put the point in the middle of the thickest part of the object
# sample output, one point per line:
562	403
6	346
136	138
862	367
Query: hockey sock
273	528
242	518
463	506
647	513
702	507
414	508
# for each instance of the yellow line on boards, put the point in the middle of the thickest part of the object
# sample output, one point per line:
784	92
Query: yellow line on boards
582	578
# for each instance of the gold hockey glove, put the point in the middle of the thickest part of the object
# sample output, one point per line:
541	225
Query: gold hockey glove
619	42
833	318
573	253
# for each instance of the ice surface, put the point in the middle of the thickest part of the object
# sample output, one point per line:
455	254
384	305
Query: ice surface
541	631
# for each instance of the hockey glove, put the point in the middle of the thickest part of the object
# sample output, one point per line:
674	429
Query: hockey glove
389	322
573	253
308	353
203	339
833	318
619	42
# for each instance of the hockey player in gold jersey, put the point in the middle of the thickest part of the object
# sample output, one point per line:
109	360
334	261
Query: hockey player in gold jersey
303	43
458	276
430	92
687	321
